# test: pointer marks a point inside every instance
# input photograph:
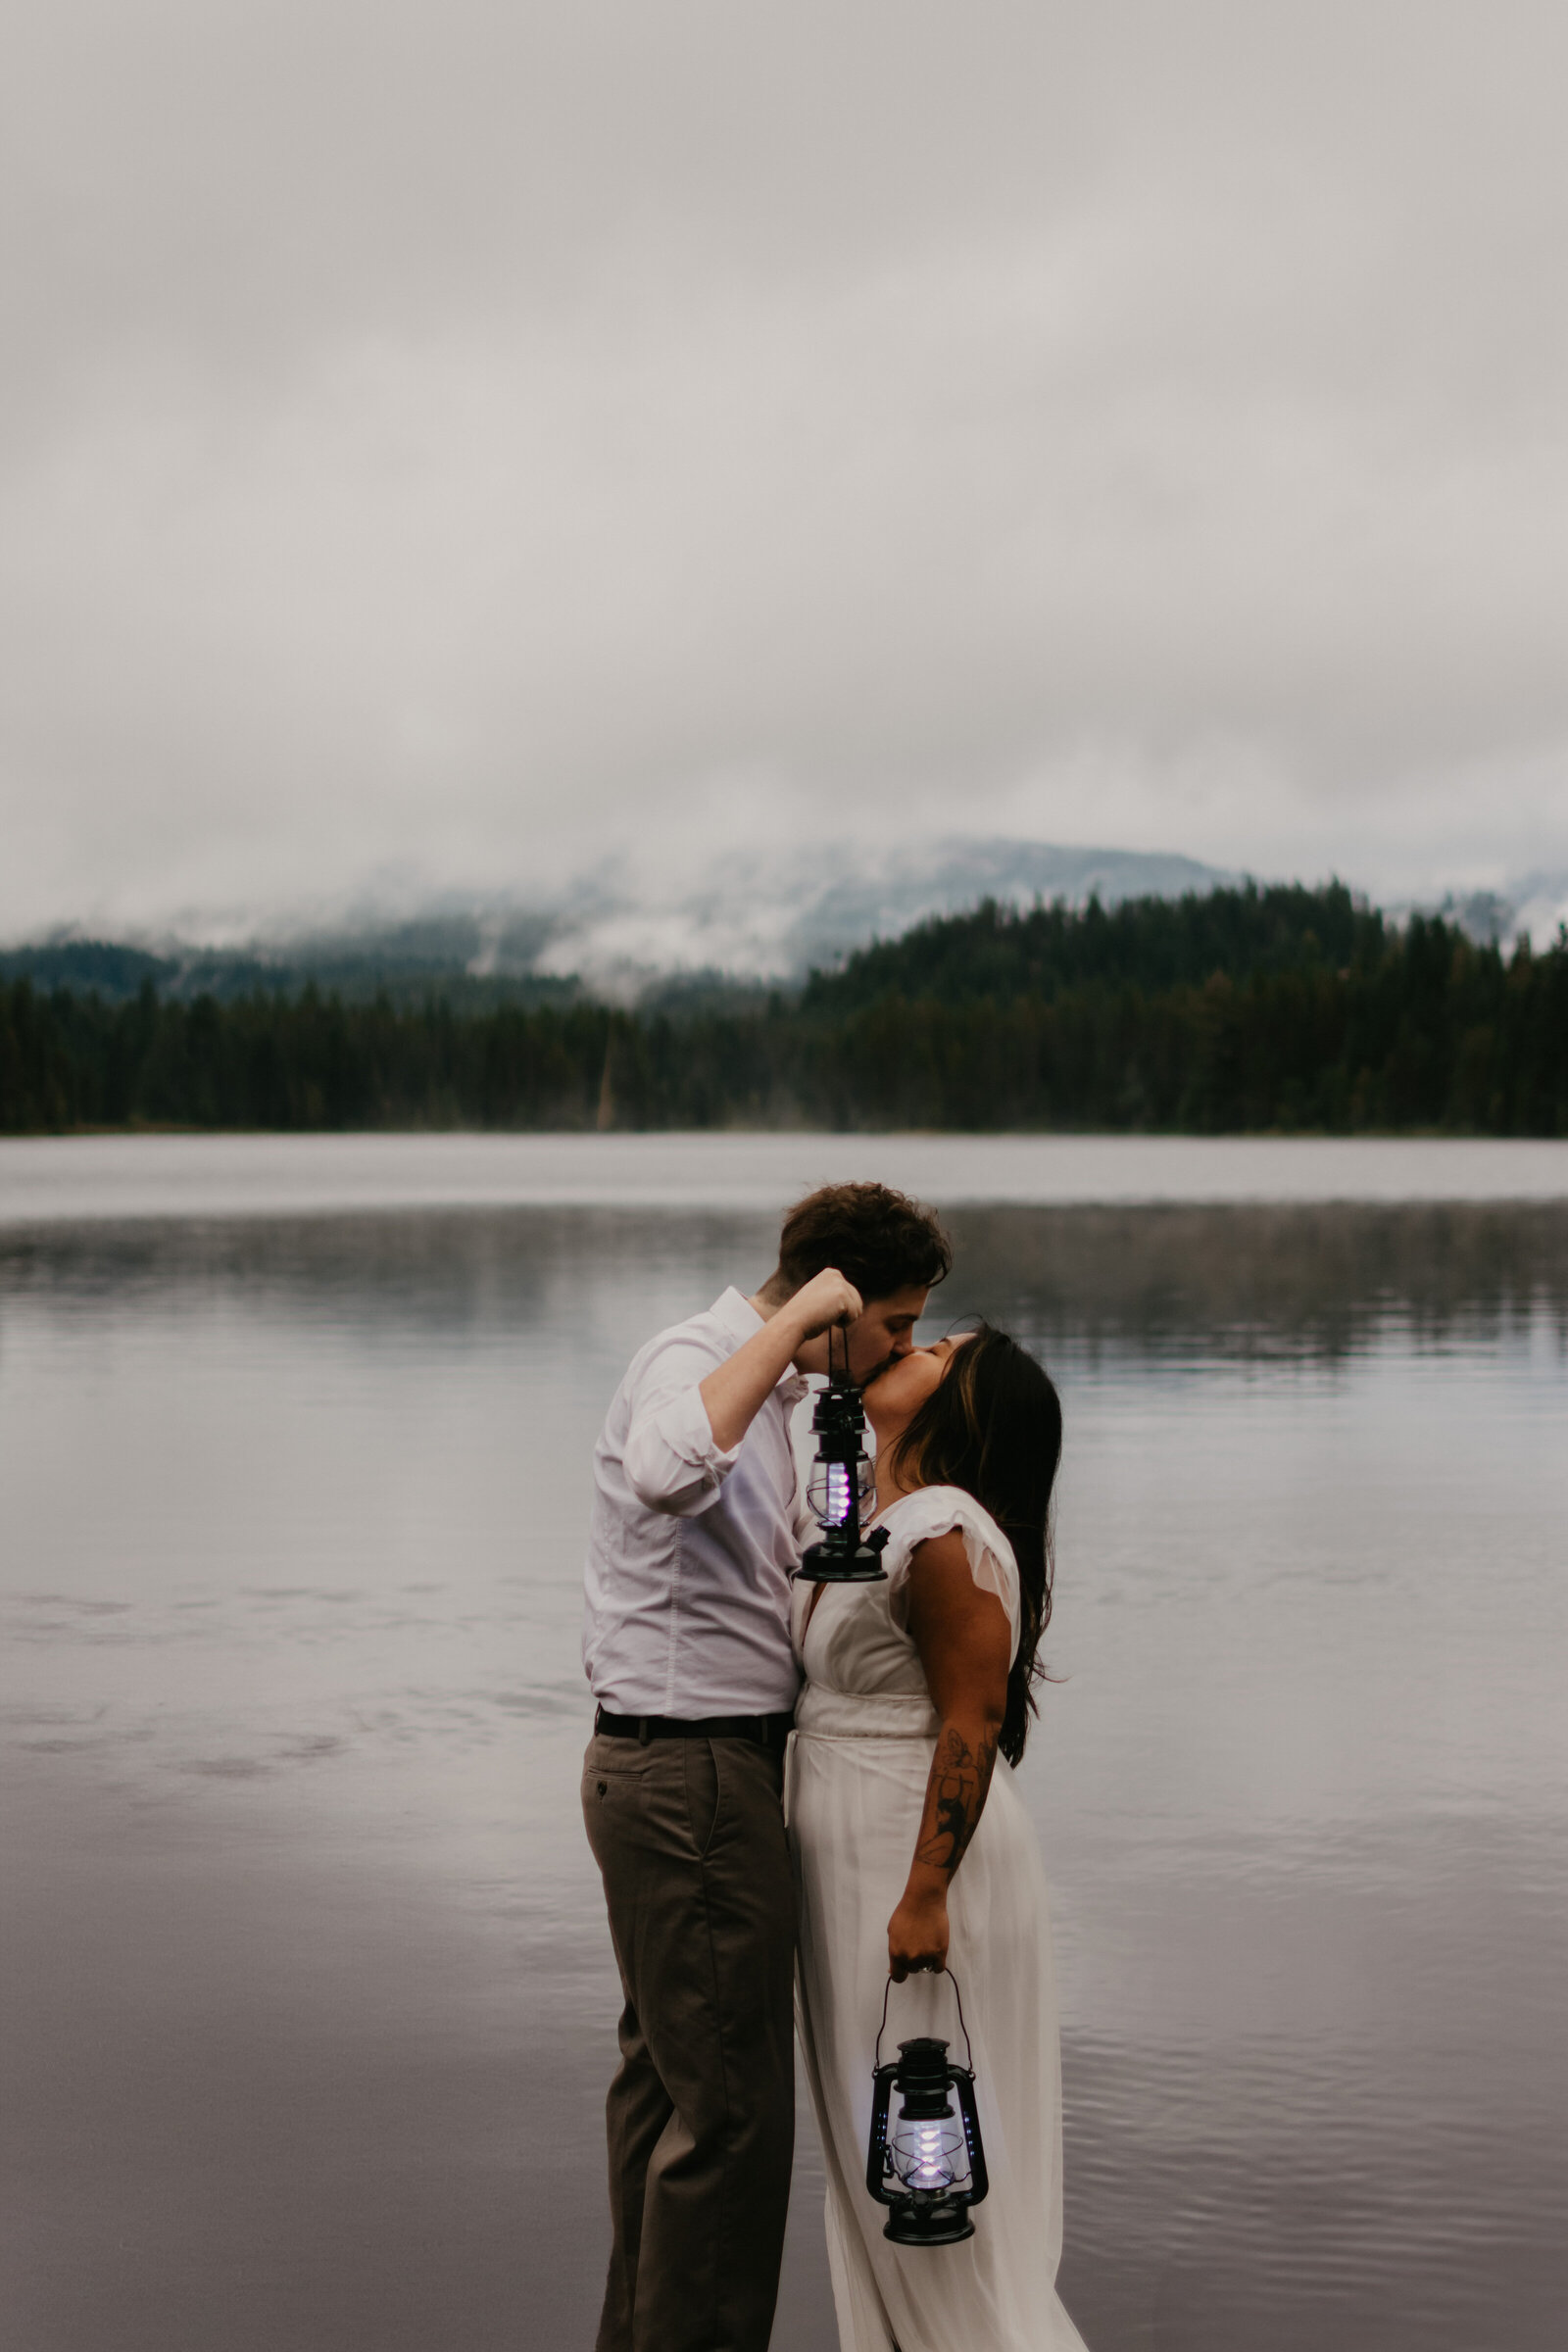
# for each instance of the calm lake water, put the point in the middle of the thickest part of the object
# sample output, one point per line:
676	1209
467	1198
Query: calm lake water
308	2001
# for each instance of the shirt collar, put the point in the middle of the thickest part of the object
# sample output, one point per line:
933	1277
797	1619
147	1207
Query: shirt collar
736	1316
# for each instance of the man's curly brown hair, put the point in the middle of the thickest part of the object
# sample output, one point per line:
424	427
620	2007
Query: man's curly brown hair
878	1238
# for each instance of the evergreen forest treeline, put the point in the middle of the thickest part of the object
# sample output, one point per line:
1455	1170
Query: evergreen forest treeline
1239	1010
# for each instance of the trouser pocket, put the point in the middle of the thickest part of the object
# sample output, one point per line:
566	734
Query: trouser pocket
704	1791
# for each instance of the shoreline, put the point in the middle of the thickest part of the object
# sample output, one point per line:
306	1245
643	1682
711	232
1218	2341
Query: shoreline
89	1179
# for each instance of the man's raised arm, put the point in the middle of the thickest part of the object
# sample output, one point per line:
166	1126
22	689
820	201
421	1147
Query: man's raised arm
733	1395
686	1433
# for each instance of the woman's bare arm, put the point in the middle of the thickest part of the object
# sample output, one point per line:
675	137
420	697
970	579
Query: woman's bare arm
965	1646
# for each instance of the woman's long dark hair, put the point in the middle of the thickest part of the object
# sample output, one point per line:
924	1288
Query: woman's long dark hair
993	1428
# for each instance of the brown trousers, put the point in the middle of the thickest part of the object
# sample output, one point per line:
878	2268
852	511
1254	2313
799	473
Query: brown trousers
689	1838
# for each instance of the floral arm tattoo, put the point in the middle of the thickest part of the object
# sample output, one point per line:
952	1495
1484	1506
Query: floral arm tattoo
956	1795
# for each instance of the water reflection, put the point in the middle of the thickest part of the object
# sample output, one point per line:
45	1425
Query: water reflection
1320	1278
308	2001
1319	1281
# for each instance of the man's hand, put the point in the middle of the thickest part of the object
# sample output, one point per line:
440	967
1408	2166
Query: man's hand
917	1932
827	1299
733	1394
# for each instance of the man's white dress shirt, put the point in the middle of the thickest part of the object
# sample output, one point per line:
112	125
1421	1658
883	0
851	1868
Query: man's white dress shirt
691	1548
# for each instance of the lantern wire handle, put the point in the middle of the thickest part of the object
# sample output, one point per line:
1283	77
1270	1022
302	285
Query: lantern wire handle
968	2046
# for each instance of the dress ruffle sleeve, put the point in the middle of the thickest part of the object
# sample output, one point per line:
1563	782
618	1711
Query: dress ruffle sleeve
914	1519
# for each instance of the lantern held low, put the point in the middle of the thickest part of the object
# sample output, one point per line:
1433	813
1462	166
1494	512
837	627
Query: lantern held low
841	1483
924	2162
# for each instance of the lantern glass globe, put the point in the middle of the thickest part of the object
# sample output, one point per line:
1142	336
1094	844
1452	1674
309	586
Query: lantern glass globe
834	1485
928	2153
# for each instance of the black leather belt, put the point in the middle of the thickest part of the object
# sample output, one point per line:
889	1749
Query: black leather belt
767	1731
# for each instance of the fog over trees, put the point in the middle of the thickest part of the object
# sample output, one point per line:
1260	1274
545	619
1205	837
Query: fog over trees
1234	1010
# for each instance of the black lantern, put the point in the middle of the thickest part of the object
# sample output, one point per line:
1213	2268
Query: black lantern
924	2162
841	1477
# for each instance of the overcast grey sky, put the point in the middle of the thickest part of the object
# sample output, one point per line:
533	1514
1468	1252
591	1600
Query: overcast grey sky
456	441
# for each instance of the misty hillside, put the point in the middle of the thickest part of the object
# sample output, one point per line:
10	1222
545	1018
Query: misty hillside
404	962
998	954
956	920
743	921
1237	1010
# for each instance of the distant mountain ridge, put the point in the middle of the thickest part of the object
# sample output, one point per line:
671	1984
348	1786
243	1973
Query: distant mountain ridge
776	917
743	922
747	918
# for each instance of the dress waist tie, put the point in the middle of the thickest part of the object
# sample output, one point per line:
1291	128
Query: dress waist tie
823	1714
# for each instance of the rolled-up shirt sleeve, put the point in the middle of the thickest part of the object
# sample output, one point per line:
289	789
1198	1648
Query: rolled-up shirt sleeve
671	1460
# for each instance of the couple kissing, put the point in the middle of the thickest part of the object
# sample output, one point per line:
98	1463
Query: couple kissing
792	1797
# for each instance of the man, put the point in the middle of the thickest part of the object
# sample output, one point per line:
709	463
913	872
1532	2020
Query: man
691	1550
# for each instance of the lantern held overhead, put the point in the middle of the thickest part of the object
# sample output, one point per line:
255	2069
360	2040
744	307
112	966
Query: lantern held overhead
841	1484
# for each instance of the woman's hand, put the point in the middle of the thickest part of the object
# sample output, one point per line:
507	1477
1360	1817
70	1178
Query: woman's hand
917	1932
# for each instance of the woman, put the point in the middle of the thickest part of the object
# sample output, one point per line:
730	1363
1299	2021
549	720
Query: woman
908	1854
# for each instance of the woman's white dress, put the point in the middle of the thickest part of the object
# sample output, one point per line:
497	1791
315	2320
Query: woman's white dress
856	1786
